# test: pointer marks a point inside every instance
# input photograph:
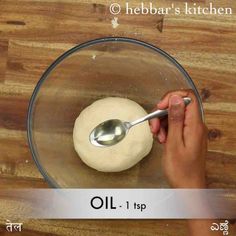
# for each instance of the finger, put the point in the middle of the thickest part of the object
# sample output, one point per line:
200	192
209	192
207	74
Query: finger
164	103
193	115
163	130
154	125
175	121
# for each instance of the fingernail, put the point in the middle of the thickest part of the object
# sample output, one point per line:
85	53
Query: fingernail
151	128
160	137
175	100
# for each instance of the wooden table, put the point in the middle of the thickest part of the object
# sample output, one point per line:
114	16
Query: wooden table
34	33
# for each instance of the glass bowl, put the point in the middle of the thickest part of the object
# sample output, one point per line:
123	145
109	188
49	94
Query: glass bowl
121	67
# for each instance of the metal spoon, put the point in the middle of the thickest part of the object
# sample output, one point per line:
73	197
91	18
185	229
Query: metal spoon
111	132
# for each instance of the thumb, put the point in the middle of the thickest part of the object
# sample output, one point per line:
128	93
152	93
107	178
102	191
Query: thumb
175	121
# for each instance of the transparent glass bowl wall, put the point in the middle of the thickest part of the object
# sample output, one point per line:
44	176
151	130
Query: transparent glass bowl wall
100	68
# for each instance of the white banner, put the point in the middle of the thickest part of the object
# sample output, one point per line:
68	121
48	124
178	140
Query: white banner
120	203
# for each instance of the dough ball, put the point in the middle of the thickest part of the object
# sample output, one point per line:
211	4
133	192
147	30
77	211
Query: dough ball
136	145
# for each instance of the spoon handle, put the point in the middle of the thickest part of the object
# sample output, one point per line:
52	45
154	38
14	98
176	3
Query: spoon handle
158	113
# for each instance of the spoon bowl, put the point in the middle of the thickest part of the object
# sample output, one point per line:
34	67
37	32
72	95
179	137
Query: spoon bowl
109	132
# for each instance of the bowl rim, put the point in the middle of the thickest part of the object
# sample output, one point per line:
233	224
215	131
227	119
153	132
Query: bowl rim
76	48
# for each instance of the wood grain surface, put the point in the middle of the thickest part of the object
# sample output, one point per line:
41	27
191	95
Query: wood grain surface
34	33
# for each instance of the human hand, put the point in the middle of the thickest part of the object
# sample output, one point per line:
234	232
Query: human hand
184	137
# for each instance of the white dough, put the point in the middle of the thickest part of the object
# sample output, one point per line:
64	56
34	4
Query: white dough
136	145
